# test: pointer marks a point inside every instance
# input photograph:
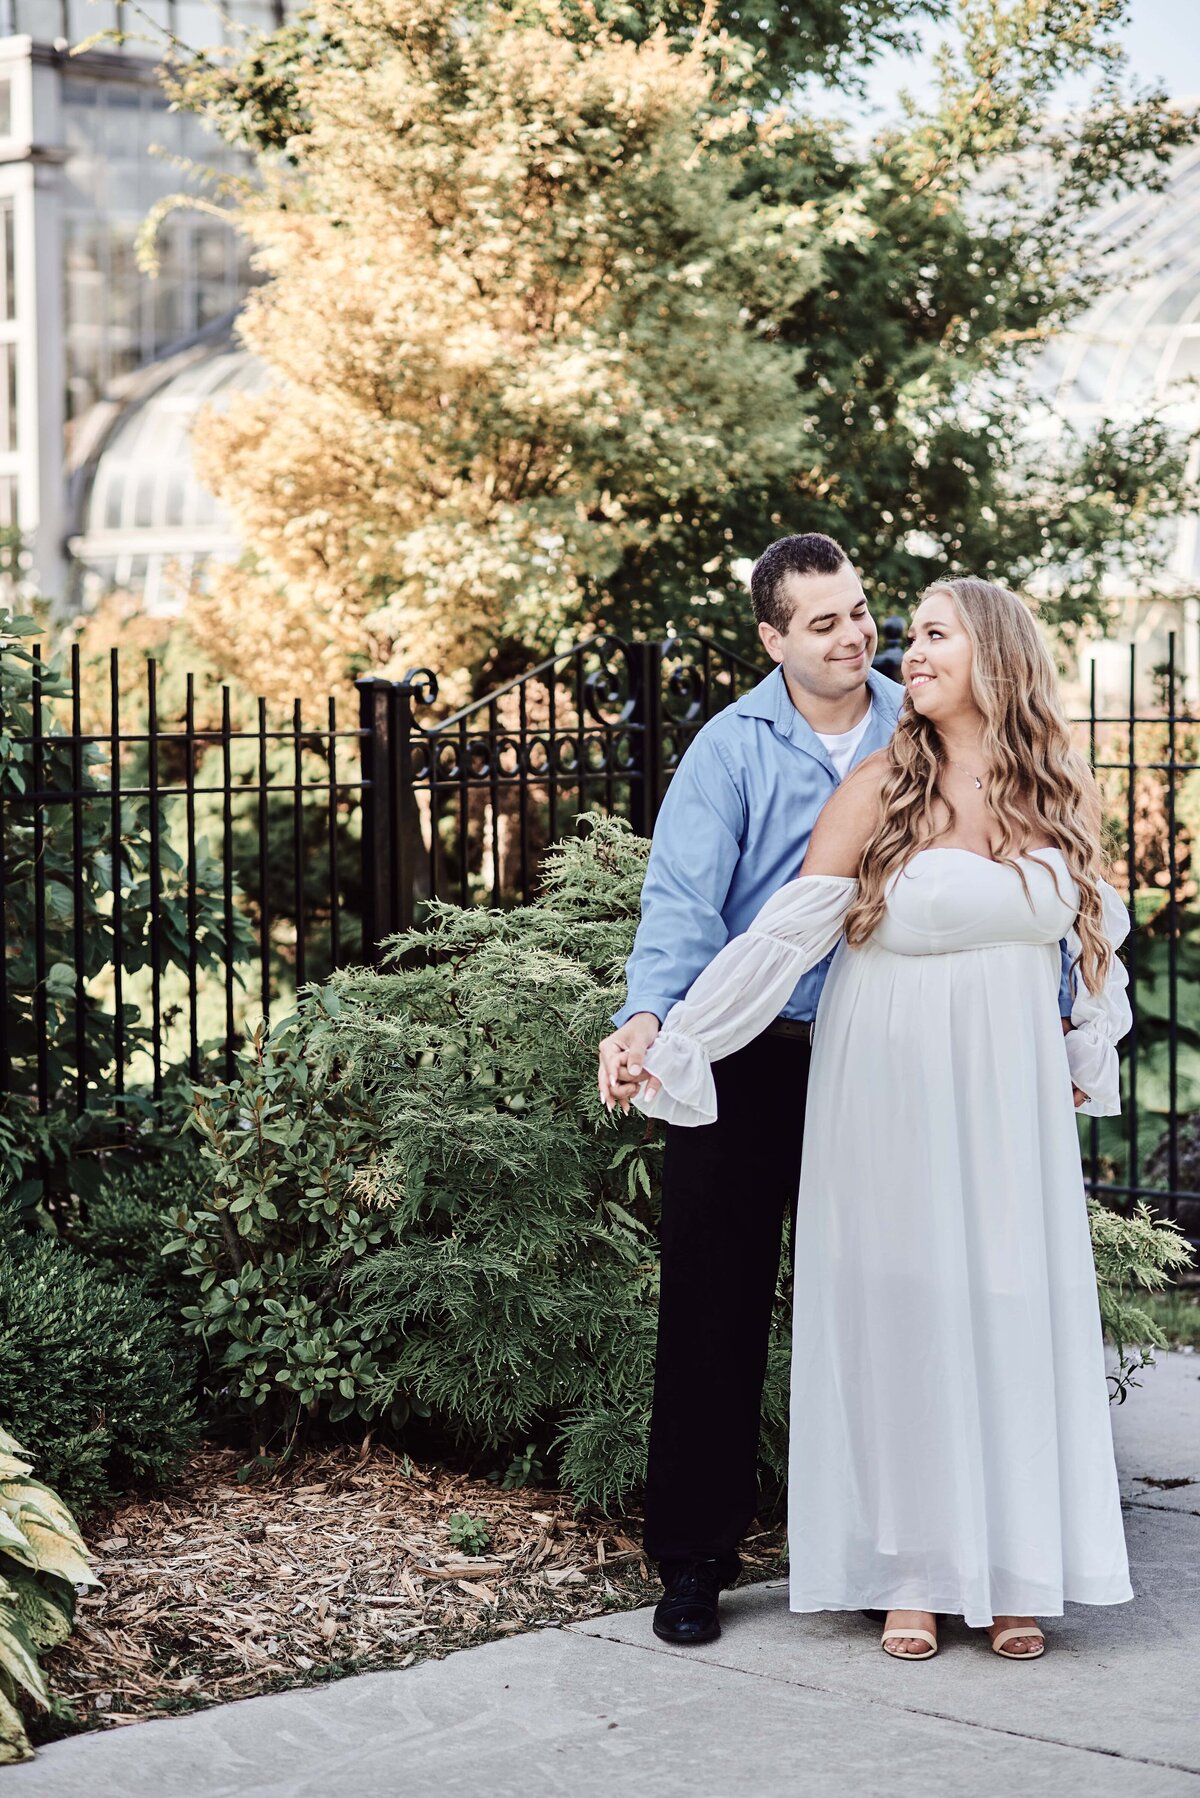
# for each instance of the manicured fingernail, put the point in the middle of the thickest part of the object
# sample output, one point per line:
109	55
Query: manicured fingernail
635	1067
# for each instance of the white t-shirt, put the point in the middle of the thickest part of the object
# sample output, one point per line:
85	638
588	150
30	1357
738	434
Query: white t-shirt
841	749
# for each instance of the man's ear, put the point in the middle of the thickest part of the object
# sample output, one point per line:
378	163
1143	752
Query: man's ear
771	641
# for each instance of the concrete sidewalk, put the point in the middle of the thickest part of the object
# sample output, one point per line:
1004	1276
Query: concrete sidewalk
802	1706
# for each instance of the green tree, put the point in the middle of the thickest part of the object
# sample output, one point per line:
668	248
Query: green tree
572	306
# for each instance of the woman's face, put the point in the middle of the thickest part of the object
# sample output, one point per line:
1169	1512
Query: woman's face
937	662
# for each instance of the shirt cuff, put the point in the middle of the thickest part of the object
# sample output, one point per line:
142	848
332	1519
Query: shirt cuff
657	1003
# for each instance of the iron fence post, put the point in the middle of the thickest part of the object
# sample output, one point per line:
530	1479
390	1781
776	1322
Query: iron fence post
405	805
645	795
419	687
378	811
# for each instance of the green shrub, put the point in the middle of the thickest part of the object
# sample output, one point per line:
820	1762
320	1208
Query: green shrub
92	1376
417	1205
124	1225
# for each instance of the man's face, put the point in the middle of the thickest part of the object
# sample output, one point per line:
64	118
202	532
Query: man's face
830	640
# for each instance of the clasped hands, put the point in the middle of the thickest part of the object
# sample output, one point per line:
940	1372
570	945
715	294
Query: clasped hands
621	1072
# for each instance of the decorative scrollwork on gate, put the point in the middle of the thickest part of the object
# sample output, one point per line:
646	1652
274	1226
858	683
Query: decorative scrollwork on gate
610	687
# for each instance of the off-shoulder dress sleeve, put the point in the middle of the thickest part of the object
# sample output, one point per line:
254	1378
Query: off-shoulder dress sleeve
1100	1020
740	992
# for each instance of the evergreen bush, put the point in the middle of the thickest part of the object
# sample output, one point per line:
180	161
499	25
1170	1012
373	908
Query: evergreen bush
125	1223
417	1204
93	1377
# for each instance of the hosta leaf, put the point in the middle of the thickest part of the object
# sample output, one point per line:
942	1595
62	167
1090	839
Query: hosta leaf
17	1655
45	1605
43	1498
50	1530
54	1552
14	1743
13	1543
9	1444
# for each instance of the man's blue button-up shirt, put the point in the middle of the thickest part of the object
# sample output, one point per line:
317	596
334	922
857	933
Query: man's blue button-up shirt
733	828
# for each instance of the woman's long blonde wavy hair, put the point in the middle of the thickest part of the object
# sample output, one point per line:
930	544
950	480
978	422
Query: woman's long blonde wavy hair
1040	788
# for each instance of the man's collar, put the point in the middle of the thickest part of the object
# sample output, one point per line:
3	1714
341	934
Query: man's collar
771	700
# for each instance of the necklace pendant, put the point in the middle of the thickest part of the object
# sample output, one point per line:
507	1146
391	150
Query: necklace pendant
978	782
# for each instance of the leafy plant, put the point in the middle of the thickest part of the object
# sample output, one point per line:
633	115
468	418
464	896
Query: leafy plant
125	1223
1135	1254
415	1205
269	1240
92	1374
42	1560
470	1534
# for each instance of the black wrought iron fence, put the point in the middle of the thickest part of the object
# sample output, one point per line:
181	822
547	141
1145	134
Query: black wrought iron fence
463	807
175	866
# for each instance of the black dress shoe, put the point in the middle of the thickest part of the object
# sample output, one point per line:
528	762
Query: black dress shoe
687	1611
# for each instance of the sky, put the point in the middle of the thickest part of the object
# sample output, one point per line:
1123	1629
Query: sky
1162	38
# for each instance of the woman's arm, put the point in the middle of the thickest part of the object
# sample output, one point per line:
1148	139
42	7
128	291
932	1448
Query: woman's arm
739	993
744	988
847	821
1100	1020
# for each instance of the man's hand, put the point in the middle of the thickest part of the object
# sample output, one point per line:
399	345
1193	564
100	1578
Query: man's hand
621	1073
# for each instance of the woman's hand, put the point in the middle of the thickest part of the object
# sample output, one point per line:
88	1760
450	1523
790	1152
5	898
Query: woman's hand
1080	1097
620	1072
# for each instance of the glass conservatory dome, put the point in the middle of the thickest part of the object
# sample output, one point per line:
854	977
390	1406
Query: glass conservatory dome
1138	349
147	525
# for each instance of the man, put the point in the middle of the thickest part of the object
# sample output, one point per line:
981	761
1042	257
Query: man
733	828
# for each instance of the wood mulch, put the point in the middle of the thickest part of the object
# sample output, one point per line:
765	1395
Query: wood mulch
341	1563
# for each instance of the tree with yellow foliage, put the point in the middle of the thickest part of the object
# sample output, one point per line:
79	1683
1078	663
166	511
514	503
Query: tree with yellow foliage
517	319
571	304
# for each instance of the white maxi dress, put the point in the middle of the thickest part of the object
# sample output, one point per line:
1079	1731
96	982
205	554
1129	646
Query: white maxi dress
950	1440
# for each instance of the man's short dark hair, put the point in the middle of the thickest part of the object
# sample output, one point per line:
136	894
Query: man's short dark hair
810	553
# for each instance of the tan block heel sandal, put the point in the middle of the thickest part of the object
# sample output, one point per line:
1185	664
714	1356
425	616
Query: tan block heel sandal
1006	1635
922	1635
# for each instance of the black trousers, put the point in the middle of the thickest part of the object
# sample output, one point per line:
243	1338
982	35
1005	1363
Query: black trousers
727	1187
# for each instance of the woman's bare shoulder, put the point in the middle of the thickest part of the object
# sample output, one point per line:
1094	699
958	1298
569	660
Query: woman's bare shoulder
870	772
848	819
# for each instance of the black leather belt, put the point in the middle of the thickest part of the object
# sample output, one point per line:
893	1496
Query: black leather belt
795	1029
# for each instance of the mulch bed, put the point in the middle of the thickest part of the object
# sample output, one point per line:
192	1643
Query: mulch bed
342	1563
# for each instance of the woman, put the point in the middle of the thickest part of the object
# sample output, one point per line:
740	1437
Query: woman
951	1447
